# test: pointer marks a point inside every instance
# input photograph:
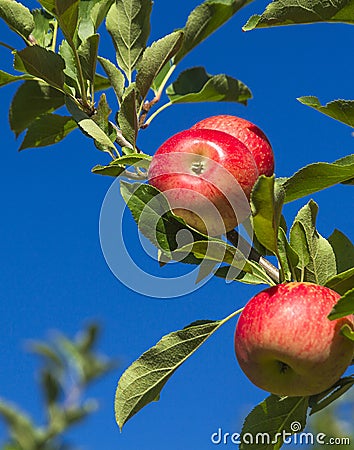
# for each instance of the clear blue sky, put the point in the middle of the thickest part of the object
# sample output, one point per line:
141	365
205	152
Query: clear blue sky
53	274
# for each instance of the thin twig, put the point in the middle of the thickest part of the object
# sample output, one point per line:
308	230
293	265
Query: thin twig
237	240
120	139
3	44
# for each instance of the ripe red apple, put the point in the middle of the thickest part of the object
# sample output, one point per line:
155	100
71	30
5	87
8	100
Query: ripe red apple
248	133
285	343
207	176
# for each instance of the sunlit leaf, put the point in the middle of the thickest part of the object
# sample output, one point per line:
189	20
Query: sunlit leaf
316	256
344	306
267	199
127	116
90	128
7	78
91	15
115	77
155	58
41	63
118	166
318	176
291	12
342	110
17	17
153	216
43	30
196	85
128	22
143	381
88	56
271	419
204	20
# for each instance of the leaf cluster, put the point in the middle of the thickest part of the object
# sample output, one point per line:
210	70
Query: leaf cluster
59	68
300	250
69	367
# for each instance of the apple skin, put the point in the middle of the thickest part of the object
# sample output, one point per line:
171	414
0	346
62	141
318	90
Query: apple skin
286	345
207	176
249	134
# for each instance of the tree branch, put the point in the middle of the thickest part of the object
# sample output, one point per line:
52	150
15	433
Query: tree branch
236	240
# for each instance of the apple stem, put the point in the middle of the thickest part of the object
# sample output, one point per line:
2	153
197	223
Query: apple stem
234	237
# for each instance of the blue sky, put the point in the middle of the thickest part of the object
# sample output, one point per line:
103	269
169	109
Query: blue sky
53	274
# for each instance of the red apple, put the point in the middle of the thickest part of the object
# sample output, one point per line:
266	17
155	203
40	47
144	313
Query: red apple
286	345
207	176
248	133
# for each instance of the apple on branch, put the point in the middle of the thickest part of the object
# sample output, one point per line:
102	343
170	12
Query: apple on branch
207	176
286	345
249	134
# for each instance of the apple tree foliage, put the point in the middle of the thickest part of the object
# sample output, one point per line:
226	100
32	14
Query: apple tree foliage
59	65
69	366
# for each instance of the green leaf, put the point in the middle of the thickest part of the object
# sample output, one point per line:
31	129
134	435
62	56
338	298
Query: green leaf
50	386
303	11
271	419
160	78
343	249
115	77
47	129
90	128
49	5
341	110
7	78
17	17
67	13
342	282
128	22
348	332
32	99
258	275
321	263
320	401
318	176
298	242
155	58
196	85
152	213
267	199
91	15
88	56
324	399
41	63
101	83
43	29
214	250
102	114
127	116
204	20
48	352
344	307
21	427
157	222
118	166
101	117
287	256
71	78
143	381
